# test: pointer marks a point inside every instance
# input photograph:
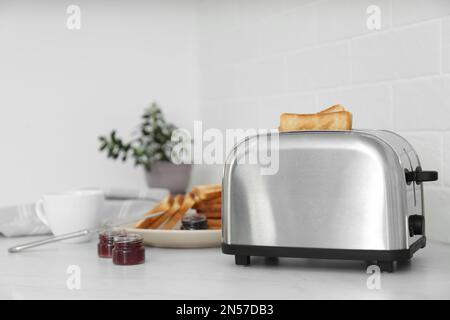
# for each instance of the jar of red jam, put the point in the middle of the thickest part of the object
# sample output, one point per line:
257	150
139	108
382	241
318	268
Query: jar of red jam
106	242
128	249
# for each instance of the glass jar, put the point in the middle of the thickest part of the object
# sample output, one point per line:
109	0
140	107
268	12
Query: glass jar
106	242
128	249
194	222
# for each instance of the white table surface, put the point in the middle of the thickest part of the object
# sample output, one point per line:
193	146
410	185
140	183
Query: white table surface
40	273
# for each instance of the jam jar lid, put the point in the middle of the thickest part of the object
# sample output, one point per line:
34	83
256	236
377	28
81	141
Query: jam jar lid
194	221
111	233
128	238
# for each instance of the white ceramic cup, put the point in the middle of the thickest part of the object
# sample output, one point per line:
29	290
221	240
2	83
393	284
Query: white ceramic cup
71	211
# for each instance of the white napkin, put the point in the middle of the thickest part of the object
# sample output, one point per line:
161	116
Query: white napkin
120	205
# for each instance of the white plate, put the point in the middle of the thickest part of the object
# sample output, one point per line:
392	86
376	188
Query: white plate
179	238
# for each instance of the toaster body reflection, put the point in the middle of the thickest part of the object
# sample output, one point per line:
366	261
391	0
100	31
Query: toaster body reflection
354	195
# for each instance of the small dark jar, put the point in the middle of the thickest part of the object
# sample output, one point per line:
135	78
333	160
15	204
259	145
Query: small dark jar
128	249
106	242
194	222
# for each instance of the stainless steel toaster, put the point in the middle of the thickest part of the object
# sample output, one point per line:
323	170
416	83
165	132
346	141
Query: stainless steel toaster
354	195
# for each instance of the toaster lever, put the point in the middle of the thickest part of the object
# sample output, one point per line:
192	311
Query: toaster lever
426	176
420	176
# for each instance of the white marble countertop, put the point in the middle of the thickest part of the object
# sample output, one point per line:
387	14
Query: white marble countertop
41	273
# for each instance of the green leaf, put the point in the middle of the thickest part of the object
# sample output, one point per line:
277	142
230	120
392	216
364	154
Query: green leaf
151	142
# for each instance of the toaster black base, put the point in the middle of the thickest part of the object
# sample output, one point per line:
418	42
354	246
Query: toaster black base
385	258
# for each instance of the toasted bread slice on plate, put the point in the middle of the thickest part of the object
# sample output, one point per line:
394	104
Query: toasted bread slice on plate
177	201
162	206
188	203
207	192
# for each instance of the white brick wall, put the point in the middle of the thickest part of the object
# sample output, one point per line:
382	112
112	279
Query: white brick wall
277	35
371	105
397	54
422	104
445	177
446	45
344	19
261	58
258	78
316	68
409	11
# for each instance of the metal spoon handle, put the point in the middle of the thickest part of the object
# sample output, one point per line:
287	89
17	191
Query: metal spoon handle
49	240
75	234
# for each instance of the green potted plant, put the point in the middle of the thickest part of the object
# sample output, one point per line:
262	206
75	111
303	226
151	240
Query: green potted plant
151	148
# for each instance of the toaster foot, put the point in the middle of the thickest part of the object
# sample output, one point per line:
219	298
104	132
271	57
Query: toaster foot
242	260
387	266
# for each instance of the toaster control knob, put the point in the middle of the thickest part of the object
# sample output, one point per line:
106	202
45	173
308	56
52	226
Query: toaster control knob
416	225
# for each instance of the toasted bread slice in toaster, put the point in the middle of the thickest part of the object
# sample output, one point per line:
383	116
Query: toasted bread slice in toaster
340	120
335	108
